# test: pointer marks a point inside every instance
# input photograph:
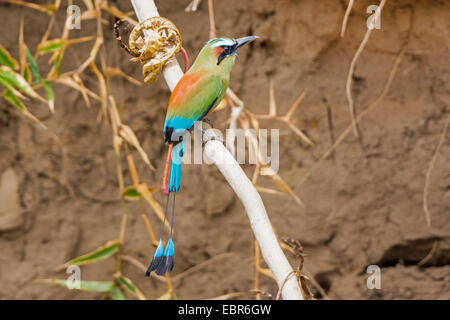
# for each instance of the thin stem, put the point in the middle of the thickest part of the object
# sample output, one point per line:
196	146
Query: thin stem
257	266
347	14
348	86
430	169
212	20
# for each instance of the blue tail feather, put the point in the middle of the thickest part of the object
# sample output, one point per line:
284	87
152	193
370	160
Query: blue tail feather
163	260
170	253
170	248
168	260
158	258
176	166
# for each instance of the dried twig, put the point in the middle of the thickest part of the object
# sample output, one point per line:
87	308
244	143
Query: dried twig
140	266
257	267
288	277
212	20
347	14
286	119
430	169
262	293
330	125
348	86
192	6
430	254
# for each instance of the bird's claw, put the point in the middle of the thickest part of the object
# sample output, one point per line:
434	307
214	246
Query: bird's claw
207	121
207	137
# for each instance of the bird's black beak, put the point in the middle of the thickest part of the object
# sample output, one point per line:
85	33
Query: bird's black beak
241	41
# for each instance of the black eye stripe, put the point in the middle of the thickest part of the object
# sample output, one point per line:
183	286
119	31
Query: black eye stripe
227	50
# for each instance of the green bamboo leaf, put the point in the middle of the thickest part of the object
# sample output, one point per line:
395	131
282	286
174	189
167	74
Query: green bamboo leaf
49	95
50	46
91	286
12	98
33	66
18	81
26	74
100	253
130	192
57	64
9	87
127	133
128	285
6	59
116	294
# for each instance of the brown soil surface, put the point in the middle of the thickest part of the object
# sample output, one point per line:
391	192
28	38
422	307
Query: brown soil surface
364	205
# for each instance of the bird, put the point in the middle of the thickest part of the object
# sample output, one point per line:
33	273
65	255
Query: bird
198	92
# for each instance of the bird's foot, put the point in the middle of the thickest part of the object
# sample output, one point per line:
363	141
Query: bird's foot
209	137
208	122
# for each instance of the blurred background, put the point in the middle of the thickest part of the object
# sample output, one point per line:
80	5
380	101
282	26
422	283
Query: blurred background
363	204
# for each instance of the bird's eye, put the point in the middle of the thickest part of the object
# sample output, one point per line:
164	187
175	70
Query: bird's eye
227	49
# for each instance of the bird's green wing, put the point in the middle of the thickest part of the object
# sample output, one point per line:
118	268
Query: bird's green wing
194	96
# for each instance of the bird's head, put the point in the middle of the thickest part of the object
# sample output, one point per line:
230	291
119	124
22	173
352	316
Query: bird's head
221	52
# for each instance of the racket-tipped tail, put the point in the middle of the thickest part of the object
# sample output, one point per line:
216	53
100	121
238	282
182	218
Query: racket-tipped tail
167	262
158	258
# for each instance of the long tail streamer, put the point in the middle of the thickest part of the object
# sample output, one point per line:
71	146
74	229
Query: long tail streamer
163	259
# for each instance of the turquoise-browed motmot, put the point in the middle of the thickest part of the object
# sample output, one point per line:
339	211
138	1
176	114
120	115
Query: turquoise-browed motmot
197	93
